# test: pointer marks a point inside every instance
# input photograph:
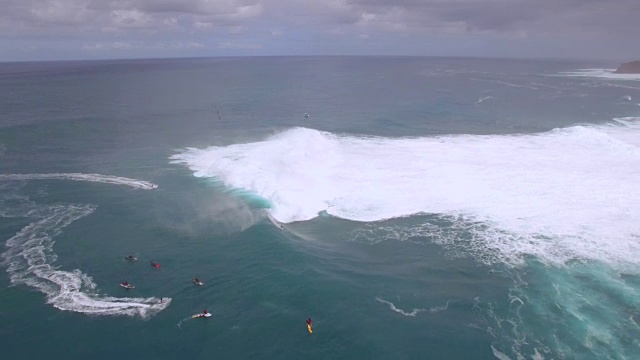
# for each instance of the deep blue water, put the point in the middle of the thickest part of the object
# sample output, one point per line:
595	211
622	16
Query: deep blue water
431	208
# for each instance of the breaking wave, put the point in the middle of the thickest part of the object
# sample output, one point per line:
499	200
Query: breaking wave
564	194
600	73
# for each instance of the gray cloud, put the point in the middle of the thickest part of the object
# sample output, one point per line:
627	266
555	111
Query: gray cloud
114	21
506	16
32	16
411	15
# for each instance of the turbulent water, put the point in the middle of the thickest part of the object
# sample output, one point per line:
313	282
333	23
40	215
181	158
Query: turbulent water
426	207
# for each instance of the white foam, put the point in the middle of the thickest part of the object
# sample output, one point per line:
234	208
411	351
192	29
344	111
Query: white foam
413	312
631	126
29	255
499	355
600	73
578	184
107	179
436	309
483	99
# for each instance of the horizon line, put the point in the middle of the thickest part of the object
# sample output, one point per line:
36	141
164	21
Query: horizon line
69	60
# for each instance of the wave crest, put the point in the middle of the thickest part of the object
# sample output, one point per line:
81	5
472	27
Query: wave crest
576	183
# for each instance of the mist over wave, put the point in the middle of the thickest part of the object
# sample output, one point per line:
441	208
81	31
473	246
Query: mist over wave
576	184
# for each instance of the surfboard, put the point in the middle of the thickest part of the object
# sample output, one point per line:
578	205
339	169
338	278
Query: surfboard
275	222
201	316
310	329
128	286
199	283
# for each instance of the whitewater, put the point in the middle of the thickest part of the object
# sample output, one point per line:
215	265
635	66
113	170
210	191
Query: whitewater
30	257
569	193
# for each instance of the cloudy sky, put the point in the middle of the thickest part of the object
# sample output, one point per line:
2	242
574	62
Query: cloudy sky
94	29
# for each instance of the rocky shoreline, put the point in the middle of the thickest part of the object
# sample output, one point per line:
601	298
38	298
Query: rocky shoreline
632	67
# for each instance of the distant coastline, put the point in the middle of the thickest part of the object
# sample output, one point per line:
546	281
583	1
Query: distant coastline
632	67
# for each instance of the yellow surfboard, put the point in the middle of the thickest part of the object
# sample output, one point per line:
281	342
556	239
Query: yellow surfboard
310	329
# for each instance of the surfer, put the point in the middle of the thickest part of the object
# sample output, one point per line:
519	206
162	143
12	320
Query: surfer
124	283
309	326
155	264
203	314
130	258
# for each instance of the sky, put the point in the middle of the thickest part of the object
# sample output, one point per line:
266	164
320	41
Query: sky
108	29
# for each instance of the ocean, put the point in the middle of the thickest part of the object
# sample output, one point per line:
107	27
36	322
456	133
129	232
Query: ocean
412	207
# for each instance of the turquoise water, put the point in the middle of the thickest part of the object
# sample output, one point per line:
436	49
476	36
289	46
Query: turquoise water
430	208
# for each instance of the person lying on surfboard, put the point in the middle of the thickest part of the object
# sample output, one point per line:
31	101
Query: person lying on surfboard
309	326
204	314
155	264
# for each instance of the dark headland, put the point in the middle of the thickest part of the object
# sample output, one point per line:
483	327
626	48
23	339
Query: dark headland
632	67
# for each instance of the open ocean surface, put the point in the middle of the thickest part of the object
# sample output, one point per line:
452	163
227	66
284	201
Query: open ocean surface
431	208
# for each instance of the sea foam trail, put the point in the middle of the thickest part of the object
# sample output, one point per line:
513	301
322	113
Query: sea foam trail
107	179
30	254
391	305
578	184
